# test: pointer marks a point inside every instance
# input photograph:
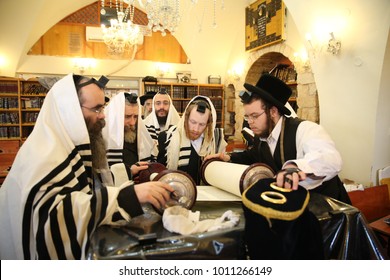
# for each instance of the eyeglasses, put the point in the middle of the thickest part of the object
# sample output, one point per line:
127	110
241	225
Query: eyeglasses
97	110
253	117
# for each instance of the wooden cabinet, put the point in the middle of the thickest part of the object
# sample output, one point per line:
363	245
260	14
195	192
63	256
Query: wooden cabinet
20	103
182	93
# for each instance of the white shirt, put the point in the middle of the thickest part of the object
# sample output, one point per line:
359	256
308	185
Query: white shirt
197	143
316	152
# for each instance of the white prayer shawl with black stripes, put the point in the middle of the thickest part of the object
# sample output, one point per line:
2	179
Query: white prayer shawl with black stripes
48	205
176	137
113	132
151	121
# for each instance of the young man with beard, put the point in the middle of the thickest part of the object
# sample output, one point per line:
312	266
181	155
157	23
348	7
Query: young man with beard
163	116
128	140
301	152
184	146
52	199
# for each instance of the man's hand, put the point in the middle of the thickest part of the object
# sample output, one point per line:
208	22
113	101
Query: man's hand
137	167
289	177
154	192
222	156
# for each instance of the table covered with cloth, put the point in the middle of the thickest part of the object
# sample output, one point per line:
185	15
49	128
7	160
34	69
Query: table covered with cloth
345	232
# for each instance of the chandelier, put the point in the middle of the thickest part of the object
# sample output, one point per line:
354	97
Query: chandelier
163	15
122	35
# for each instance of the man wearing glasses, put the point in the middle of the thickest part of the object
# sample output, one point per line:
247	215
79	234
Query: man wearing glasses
298	151
59	189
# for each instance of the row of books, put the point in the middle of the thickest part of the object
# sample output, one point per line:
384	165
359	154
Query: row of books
210	92
9	132
30	117
284	72
9	118
9	102
35	102
184	92
34	89
8	87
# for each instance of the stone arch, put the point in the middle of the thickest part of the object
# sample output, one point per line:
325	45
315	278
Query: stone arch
307	97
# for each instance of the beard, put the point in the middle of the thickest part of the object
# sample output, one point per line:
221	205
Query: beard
98	146
130	134
162	120
267	131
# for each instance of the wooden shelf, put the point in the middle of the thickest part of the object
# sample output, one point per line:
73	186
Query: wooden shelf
29	92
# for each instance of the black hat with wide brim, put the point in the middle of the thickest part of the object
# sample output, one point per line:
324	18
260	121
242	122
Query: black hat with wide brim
272	90
146	96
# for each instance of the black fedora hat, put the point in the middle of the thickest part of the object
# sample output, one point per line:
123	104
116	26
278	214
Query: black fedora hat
272	90
146	96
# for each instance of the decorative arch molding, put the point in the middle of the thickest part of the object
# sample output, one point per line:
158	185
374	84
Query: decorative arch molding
307	97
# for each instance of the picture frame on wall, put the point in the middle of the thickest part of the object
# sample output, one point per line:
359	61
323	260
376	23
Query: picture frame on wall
264	24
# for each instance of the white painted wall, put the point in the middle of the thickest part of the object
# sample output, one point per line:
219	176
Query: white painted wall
351	84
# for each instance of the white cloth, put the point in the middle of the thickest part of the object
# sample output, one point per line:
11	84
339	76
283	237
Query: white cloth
180	220
176	137
113	132
151	121
316	152
48	205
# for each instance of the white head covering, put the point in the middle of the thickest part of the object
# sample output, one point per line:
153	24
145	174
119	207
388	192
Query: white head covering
178	138
113	132
48	205
151	121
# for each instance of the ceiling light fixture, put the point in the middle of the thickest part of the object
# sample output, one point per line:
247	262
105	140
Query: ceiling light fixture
122	36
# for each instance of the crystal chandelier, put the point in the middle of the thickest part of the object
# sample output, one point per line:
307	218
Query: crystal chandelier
122	35
163	15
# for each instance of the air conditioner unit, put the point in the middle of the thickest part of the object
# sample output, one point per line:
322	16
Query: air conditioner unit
94	34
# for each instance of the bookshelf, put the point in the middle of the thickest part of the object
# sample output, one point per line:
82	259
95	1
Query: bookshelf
286	73
182	93
20	103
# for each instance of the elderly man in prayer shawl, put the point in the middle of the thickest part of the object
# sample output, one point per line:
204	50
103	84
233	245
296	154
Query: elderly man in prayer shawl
184	146
128	140
52	199
163	116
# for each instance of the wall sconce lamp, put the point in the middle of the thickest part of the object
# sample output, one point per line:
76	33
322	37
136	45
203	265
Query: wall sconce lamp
301	61
236	72
162	69
84	64
334	45
316	46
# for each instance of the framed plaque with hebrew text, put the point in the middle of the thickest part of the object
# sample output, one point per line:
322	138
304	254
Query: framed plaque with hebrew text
264	24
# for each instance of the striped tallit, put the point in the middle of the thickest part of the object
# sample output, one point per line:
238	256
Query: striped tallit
178	146
48	203
151	121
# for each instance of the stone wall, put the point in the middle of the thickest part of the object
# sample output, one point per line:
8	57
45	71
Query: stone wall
307	98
